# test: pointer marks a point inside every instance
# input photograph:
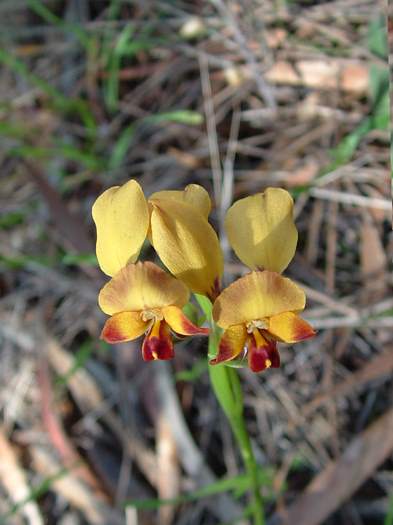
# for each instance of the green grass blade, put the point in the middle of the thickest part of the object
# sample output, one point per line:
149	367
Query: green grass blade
377	37
239	484
121	147
35	493
46	14
61	102
81	356
111	93
389	515
199	368
181	116
65	151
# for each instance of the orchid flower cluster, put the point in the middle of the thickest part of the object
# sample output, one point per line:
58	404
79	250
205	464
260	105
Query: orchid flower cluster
254	312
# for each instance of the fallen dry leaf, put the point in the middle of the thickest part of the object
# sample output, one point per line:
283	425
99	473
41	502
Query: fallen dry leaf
13	479
303	174
347	75
380	366
373	258
341	478
168	470
73	490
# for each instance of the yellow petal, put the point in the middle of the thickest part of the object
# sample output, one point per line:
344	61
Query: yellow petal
257	295
289	327
193	194
231	344
121	216
122	327
141	286
186	244
180	324
261	230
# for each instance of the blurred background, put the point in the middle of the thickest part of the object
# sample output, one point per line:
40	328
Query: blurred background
236	96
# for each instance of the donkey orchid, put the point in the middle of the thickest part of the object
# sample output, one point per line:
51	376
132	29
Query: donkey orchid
261	308
143	299
256	311
176	224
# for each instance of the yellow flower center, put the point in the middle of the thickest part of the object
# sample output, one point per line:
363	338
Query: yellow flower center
259	324
153	314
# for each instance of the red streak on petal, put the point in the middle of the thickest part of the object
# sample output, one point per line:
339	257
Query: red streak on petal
225	353
304	332
193	329
263	356
111	335
274	357
160	347
215	291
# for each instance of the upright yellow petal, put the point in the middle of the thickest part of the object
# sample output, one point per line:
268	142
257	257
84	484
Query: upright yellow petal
186	244
193	194
257	295
121	216
261	230
141	286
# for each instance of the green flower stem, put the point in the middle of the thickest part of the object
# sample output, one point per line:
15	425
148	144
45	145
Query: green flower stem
227	388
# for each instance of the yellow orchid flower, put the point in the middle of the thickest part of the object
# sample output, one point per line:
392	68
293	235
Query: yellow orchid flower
143	299
261	230
255	312
176	224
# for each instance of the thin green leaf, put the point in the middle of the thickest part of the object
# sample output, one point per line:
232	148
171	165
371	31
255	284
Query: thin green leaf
66	151
18	262
121	147
111	92
379	81
47	15
89	259
377	37
81	356
35	493
199	368
389	515
240	484
8	220
181	116
62	102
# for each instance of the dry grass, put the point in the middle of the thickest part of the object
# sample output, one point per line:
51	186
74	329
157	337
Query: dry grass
87	102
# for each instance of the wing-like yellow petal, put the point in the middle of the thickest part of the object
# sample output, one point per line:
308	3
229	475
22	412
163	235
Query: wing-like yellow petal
193	194
121	216
231	344
141	286
261	230
124	326
180	324
186	244
289	327
257	295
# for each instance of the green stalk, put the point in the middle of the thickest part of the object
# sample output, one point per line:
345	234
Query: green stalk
228	391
